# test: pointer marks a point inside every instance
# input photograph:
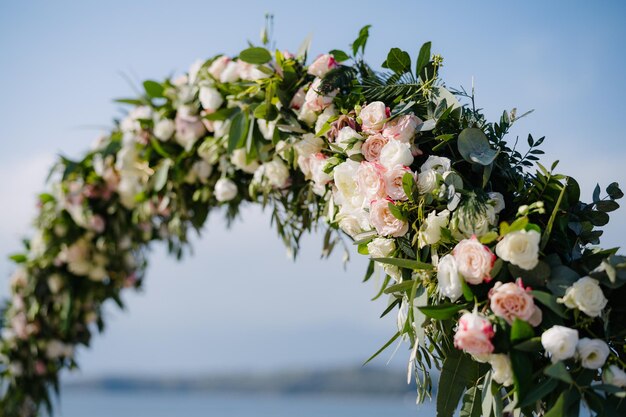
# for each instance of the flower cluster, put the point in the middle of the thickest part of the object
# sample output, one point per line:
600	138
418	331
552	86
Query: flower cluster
489	265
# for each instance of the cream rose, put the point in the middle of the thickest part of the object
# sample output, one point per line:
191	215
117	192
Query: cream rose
393	182
430	232
275	172
474	260
427	181
592	353
512	300
439	164
164	129
381	247
448	280
585	295
372	146
560	342
347	189
353	220
322	65
402	128
395	153
502	371
465	224
615	376
189	127
218	66
385	223
373	117
225	190
520	248
230	73
474	334
349	141
238	159
370	180
210	98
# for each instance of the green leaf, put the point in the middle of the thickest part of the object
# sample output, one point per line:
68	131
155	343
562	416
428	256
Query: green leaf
468	294
607	206
403	286
398	61
559	371
539	391
423	58
255	55
614	191
153	89
397	213
549	301
408	185
442	311
458	368
385	346
471	403
522	372
160	176
339	55
521	330
531	345
238	131
361	40
18	258
474	147
405	263
265	112
561	278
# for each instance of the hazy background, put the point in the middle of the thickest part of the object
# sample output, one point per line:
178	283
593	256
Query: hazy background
239	303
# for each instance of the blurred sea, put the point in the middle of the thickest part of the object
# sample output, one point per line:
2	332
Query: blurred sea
102	403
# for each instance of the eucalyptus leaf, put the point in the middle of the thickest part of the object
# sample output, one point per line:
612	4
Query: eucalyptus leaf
474	147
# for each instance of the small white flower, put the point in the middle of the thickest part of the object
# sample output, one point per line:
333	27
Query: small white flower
349	141
381	247
430	232
502	371
613	375
427	181
164	129
448	279
592	353
439	164
520	248
225	190
585	295
560	342
238	159
210	98
497	201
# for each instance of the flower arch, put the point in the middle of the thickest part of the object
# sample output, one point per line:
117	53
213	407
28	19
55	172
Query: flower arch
486	253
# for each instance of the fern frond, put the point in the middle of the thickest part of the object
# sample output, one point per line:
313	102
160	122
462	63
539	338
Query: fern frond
387	87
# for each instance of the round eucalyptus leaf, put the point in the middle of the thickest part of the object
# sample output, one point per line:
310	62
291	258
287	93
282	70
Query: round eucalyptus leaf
474	147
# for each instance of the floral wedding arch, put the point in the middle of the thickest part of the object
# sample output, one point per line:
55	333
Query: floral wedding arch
487	254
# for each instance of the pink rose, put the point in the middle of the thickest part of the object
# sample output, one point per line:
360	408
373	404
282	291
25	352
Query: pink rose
314	100
386	224
393	182
402	128
474	334
474	260
322	65
372	146
217	67
512	300
373	117
298	99
189	128
370	180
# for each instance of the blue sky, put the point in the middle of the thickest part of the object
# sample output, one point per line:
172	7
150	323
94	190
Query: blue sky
238	303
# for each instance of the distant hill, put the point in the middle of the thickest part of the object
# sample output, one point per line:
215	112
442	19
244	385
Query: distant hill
350	381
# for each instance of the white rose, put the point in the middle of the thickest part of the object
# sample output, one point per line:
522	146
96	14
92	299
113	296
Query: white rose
194	69
592	353
225	190
438	163
275	172
560	342
218	66
322	65
497	201
381	247
349	141
353	220
164	129
266	128
430	232
189	127
200	171
309	145
210	98
373	117
329	112
347	190
613	375
395	153
448	280
520	248
238	159
385	223
371	183
307	114
502	372
474	260
585	295
427	181
230	73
